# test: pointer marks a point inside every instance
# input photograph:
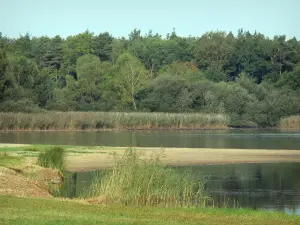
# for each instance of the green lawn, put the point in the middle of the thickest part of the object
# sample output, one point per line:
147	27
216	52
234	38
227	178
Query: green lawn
29	147
69	148
10	160
24	211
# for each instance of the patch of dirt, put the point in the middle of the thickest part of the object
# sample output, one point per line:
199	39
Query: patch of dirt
15	184
49	176
38	173
28	179
97	200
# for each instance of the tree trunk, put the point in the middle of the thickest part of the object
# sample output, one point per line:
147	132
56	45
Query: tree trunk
134	105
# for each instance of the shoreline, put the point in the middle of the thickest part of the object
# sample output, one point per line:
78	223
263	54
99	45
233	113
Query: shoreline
125	129
88	158
152	129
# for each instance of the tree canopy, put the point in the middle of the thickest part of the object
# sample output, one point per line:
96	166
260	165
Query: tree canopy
253	78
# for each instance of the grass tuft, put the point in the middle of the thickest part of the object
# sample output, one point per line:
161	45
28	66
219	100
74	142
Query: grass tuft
31	149
53	157
146	182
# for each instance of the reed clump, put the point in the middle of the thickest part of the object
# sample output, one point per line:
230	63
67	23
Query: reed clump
291	122
138	181
53	157
110	120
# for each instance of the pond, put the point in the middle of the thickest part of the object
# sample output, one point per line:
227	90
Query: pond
274	187
233	138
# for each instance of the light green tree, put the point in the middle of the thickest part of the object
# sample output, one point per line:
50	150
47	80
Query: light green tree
131	77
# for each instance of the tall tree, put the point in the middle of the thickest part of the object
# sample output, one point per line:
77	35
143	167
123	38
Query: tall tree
102	46
131	77
89	71
74	47
213	51
3	67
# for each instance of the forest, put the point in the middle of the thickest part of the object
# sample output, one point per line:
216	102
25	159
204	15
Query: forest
253	79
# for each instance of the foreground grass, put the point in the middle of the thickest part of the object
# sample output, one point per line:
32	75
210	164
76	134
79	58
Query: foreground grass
291	122
30	211
110	120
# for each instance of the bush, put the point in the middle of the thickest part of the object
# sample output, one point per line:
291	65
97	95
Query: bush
53	157
23	105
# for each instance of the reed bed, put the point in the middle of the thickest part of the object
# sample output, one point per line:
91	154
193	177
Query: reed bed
291	122
53	157
139	181
110	120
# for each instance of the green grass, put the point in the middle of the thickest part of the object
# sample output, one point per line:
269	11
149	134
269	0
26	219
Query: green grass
291	122
53	157
68	148
30	211
7	160
138	181
110	120
38	148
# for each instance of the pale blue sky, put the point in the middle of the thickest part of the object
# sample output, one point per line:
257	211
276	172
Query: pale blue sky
189	17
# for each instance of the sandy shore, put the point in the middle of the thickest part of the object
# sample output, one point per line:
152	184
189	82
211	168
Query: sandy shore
184	157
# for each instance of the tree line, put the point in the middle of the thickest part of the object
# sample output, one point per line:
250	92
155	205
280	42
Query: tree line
252	78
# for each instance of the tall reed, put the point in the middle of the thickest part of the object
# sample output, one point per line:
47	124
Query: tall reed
139	181
110	120
53	157
291	122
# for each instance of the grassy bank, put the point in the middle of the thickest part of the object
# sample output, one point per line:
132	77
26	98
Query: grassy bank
291	122
110	120
31	211
139	191
8	160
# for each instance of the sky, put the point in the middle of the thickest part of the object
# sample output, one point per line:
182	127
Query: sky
119	18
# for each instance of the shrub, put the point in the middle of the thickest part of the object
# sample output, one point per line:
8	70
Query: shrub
31	149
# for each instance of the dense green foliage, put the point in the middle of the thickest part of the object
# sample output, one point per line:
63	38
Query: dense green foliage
136	181
252	78
53	157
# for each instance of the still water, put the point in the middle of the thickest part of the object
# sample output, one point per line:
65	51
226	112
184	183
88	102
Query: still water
274	187
235	138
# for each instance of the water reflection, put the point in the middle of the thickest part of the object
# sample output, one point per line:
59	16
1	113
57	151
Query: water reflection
274	187
253	139
269	186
